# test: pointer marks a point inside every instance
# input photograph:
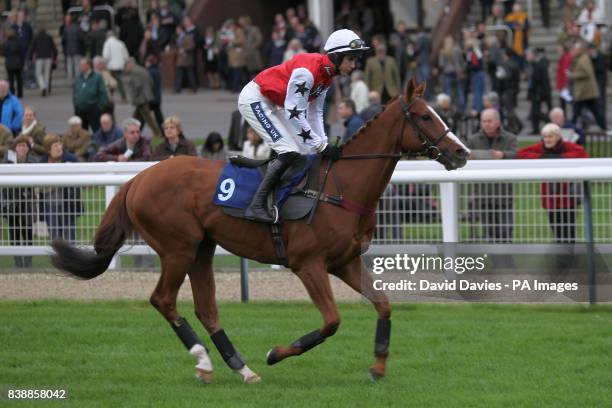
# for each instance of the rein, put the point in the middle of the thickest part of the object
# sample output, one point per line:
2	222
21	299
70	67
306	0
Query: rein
429	148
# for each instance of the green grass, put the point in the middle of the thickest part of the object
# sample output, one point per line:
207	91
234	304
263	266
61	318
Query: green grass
122	353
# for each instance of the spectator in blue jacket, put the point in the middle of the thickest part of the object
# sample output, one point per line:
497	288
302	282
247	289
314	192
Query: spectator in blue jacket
11	111
105	135
352	121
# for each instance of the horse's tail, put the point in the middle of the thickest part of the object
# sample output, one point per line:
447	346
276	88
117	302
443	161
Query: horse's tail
115	227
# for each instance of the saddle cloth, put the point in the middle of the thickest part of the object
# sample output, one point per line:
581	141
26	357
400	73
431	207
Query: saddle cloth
237	184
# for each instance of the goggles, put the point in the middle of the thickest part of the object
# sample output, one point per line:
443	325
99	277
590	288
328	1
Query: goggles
355	45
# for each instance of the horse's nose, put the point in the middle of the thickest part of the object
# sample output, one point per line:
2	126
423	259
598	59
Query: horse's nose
462	153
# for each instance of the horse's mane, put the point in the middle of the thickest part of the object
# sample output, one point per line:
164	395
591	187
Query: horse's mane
366	125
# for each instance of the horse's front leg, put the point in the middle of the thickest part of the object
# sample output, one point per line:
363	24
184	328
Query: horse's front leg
356	275
315	279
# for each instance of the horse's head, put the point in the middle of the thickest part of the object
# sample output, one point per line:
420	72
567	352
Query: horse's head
424	133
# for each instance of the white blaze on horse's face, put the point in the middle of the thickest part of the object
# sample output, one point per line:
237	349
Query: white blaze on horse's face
451	135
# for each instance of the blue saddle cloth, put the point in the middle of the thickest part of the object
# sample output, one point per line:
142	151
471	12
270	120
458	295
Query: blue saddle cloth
237	185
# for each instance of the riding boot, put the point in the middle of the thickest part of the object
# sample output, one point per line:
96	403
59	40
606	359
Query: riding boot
257	210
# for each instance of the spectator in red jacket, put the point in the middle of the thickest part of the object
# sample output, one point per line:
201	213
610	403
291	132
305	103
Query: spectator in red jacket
559	199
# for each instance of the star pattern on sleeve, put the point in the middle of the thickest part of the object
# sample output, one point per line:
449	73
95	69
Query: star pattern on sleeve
301	88
305	134
295	112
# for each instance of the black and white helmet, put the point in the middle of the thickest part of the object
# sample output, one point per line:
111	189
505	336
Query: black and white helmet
344	41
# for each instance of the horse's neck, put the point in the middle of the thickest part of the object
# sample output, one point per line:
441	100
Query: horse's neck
365	180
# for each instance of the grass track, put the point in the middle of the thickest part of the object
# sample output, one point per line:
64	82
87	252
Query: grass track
121	353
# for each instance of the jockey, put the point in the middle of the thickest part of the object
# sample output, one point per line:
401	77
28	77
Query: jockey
284	104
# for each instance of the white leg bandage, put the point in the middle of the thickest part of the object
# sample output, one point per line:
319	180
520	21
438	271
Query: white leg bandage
199	352
248	375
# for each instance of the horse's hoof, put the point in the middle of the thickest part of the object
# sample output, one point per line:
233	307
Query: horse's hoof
272	357
375	375
204	375
252	379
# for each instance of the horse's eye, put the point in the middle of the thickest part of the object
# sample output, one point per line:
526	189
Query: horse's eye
426	117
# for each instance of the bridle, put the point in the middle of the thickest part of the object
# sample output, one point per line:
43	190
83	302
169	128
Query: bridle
429	148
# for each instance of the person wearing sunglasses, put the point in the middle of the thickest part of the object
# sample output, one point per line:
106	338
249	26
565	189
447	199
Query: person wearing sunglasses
284	105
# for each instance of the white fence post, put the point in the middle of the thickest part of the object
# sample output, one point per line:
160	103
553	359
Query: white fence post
109	193
449	196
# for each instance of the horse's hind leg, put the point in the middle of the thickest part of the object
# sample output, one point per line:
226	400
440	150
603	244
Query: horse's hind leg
174	269
203	286
315	279
357	277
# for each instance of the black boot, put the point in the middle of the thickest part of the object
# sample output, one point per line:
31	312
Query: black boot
257	210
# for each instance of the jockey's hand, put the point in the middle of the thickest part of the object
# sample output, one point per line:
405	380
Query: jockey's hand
332	152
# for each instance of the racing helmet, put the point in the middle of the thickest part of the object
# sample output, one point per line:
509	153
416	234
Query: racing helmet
344	41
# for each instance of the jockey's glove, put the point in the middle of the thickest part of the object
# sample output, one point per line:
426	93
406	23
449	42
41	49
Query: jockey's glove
333	153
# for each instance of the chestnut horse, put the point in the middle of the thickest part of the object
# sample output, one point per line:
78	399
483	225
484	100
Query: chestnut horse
171	206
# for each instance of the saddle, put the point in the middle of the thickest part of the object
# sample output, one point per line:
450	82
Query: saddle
293	198
296	197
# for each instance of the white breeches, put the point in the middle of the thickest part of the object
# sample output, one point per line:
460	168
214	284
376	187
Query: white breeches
269	121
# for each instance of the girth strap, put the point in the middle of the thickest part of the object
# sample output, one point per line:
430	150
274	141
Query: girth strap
340	201
279	245
328	198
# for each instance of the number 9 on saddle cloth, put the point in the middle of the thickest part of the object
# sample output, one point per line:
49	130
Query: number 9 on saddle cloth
241	177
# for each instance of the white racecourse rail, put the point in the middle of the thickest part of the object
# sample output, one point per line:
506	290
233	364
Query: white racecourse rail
424	205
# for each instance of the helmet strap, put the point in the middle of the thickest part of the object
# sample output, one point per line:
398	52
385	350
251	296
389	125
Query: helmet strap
336	59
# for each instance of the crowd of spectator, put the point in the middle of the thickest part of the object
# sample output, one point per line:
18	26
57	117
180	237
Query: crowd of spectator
479	74
467	69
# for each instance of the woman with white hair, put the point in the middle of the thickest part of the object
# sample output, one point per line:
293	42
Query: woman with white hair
77	140
559	199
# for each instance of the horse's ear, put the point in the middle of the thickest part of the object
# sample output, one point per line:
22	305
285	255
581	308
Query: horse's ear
410	88
420	89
